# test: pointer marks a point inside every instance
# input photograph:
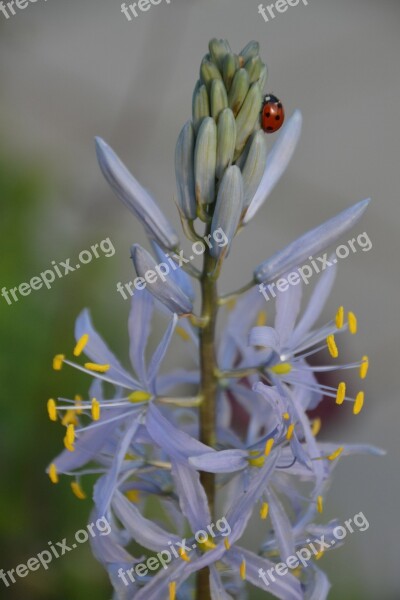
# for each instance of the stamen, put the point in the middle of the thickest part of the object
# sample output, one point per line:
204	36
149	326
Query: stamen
364	367
133	495
358	404
53	473
183	555
243	570
95	409
182	333
70	434
264	510
227	544
52	410
335	454
172	590
286	416
58	362
341	393
78	491
70	417
139	396
78	403
352	319
257	462
320	504
319	555
81	344
339	319
289	433
261	318
333	351
268	446
316	426
281	369
97	368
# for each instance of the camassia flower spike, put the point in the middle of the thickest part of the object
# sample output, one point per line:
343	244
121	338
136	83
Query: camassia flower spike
185	459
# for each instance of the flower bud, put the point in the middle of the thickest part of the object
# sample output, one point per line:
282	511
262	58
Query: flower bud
205	156
228	209
226	141
184	171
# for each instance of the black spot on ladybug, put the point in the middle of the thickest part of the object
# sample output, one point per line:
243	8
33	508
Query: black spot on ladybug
268	114
277	118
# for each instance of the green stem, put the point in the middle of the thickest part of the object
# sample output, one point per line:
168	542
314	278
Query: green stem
209	385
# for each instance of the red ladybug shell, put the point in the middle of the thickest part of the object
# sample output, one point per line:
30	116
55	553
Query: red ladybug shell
272	114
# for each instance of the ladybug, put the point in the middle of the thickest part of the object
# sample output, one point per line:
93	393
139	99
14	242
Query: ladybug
272	114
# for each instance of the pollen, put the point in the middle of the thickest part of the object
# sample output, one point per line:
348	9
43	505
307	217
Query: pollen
320	504
286	416
289	433
257	462
96	367
133	496
95	409
77	490
71	434
243	570
81	344
70	418
261	318
58	362
183	555
172	590
319	555
264	510
268	446
139	396
183	334
359	402
316	426
333	350
339	319
52	410
227	544
341	393
53	473
352	322
281	369
336	453
364	367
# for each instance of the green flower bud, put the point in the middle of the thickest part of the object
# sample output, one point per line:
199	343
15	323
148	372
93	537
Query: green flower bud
226	141
250	50
228	209
219	98
238	91
229	68
205	157
254	166
208	72
248	116
201	106
254	68
184	170
218	50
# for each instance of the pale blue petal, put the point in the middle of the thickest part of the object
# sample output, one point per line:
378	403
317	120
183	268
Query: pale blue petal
281	524
277	162
181	278
312	242
160	352
287	310
266	337
139	327
191	494
224	461
217	587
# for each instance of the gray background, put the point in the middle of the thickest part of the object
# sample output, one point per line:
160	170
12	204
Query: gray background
70	71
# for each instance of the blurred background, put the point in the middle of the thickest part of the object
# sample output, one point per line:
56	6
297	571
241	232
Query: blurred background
70	71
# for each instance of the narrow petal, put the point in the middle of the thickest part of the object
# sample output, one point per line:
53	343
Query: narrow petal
310	243
287	310
139	327
135	197
224	461
282	525
265	336
277	161
161	350
192	497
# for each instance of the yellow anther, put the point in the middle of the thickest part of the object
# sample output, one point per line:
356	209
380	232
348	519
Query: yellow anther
261	318
52	409
359	403
243	570
286	416
319	555
296	572
264	510
339	319
70	434
58	362
68	444
257	462
183	334
81	344
207	544
320	504
133	495
333	351
336	453
97	368
95	409
289	433
352	319
69	418
139	396
281	369
77	490
268	446
227	544
364	367
183	555
341	393
78	403
172	590
316	426
53	473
